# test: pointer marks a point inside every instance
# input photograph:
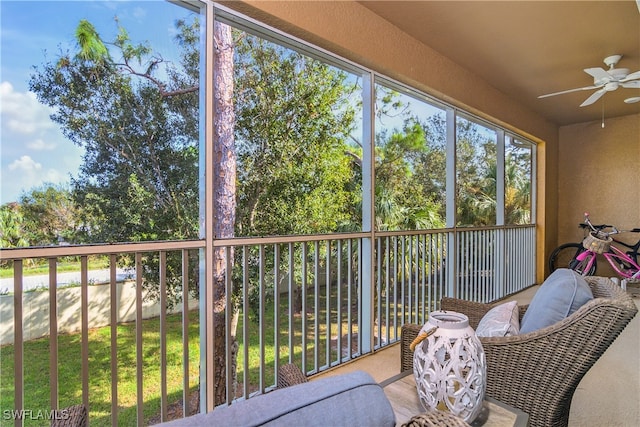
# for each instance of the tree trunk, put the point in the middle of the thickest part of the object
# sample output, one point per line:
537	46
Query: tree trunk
224	170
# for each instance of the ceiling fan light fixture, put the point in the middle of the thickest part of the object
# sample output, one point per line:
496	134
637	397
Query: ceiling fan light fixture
632	99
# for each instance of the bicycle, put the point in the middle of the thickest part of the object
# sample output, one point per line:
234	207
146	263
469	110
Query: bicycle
565	254
582	257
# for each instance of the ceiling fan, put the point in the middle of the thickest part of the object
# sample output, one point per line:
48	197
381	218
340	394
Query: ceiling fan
606	81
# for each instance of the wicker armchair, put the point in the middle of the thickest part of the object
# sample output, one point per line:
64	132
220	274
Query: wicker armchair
73	416
289	375
538	372
436	419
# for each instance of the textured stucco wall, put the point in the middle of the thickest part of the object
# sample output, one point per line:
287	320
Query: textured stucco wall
599	174
354	32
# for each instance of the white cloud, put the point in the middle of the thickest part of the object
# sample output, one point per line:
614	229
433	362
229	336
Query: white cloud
33	149
22	113
24	174
25	164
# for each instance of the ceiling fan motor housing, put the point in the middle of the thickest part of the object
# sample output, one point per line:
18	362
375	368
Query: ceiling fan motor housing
612	60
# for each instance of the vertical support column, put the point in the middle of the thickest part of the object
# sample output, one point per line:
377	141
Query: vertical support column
163	336
327	302
539	232
207	111
84	308
139	348
229	387
186	391
500	176
304	327
499	265
451	256
53	333
113	289
291	280
367	255
276	308
245	320
18	344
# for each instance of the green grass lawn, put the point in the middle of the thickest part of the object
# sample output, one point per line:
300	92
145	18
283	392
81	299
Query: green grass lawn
36	363
36	370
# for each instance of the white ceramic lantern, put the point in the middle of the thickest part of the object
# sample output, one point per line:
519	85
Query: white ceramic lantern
449	366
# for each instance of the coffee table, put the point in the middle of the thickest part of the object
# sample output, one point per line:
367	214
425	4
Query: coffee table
401	392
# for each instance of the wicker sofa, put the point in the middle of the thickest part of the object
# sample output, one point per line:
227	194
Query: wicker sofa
538	372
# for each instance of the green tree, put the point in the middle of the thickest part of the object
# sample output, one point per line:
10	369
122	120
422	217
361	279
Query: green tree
12	225
140	134
139	174
516	198
137	116
475	156
403	197
432	171
293	118
50	216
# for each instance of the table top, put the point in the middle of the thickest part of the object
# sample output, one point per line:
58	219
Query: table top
401	392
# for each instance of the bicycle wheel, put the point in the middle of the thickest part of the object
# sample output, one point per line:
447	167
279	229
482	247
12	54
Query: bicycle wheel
563	256
580	267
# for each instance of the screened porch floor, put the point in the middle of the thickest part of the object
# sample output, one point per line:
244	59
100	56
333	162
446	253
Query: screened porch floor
609	394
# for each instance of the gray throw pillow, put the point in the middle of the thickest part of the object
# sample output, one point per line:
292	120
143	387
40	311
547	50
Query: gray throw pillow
560	295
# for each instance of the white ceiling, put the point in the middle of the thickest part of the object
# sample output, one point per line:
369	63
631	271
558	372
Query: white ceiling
530	48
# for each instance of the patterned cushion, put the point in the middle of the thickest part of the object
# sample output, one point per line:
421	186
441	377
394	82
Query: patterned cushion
500	321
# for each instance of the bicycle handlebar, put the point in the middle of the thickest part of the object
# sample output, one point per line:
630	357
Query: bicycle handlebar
598	228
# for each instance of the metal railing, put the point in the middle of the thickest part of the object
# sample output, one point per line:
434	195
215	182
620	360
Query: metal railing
301	300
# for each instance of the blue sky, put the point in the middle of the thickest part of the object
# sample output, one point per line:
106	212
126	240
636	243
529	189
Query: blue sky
33	150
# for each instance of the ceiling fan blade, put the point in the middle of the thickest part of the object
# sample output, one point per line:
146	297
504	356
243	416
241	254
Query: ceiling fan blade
598	73
634	84
631	76
569	91
594	97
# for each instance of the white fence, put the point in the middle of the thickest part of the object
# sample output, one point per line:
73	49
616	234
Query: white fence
36	310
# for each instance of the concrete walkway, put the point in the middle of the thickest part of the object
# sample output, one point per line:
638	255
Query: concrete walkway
65	279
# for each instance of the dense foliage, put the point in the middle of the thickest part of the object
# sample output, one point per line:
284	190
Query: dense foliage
298	161
292	164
